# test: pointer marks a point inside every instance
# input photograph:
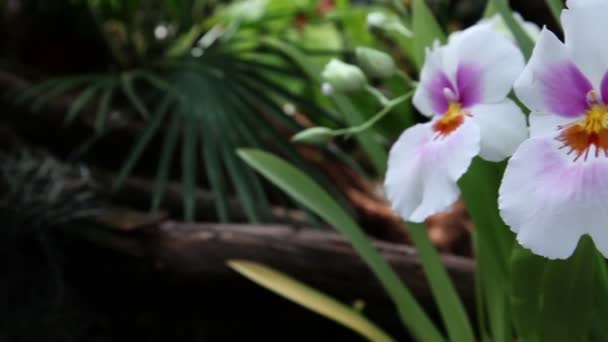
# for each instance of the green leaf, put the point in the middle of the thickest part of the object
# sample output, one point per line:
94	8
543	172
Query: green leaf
309	298
126	82
426	30
556	7
523	39
57	89
494	241
452	311
301	188
353	117
190	123
526	282
164	164
568	293
78	104
599	332
103	109
142	143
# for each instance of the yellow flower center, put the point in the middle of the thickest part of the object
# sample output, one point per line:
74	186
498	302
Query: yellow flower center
590	131
450	120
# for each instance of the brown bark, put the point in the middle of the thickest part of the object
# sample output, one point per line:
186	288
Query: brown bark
320	258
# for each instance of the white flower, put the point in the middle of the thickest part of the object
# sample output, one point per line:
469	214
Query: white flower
343	77
463	88
555	187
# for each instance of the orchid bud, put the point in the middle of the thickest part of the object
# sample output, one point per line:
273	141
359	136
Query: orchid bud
314	135
375	63
343	77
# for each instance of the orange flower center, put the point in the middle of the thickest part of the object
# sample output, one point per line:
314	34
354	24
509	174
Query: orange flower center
590	131
450	121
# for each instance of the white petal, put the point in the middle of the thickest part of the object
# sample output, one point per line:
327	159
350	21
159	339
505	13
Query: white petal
425	96
550	201
497	58
585	28
551	82
423	169
502	126
543	124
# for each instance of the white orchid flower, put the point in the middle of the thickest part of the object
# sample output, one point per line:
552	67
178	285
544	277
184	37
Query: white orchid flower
463	88
555	187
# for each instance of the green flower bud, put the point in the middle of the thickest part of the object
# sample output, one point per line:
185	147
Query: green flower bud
343	77
375	63
314	135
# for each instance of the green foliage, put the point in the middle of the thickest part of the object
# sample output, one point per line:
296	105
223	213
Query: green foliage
450	306
217	95
304	190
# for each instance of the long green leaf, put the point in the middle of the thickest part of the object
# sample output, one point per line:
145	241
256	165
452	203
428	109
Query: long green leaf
103	109
78	104
211	157
426	30
568	293
493	243
599	331
142	143
556	7
309	298
300	187
450	306
527	276
523	39
126	83
164	164
191	122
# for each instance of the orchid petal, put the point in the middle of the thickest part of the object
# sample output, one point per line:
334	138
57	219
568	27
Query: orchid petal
550	201
585	26
487	64
430	97
423	169
503	128
551	82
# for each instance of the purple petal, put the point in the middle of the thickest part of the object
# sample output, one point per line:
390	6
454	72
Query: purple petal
565	89
604	88
438	83
468	80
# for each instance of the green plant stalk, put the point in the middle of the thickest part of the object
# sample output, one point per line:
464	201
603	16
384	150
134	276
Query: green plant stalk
304	190
452	310
353	117
523	39
389	105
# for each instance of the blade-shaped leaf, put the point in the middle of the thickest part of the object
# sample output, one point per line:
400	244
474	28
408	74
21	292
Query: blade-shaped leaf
450	306
166	157
300	187
190	124
556	7
568	292
523	39
309	298
126	83
81	101
142	142
426	30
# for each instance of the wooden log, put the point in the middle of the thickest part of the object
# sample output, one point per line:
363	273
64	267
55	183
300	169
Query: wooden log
321	258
